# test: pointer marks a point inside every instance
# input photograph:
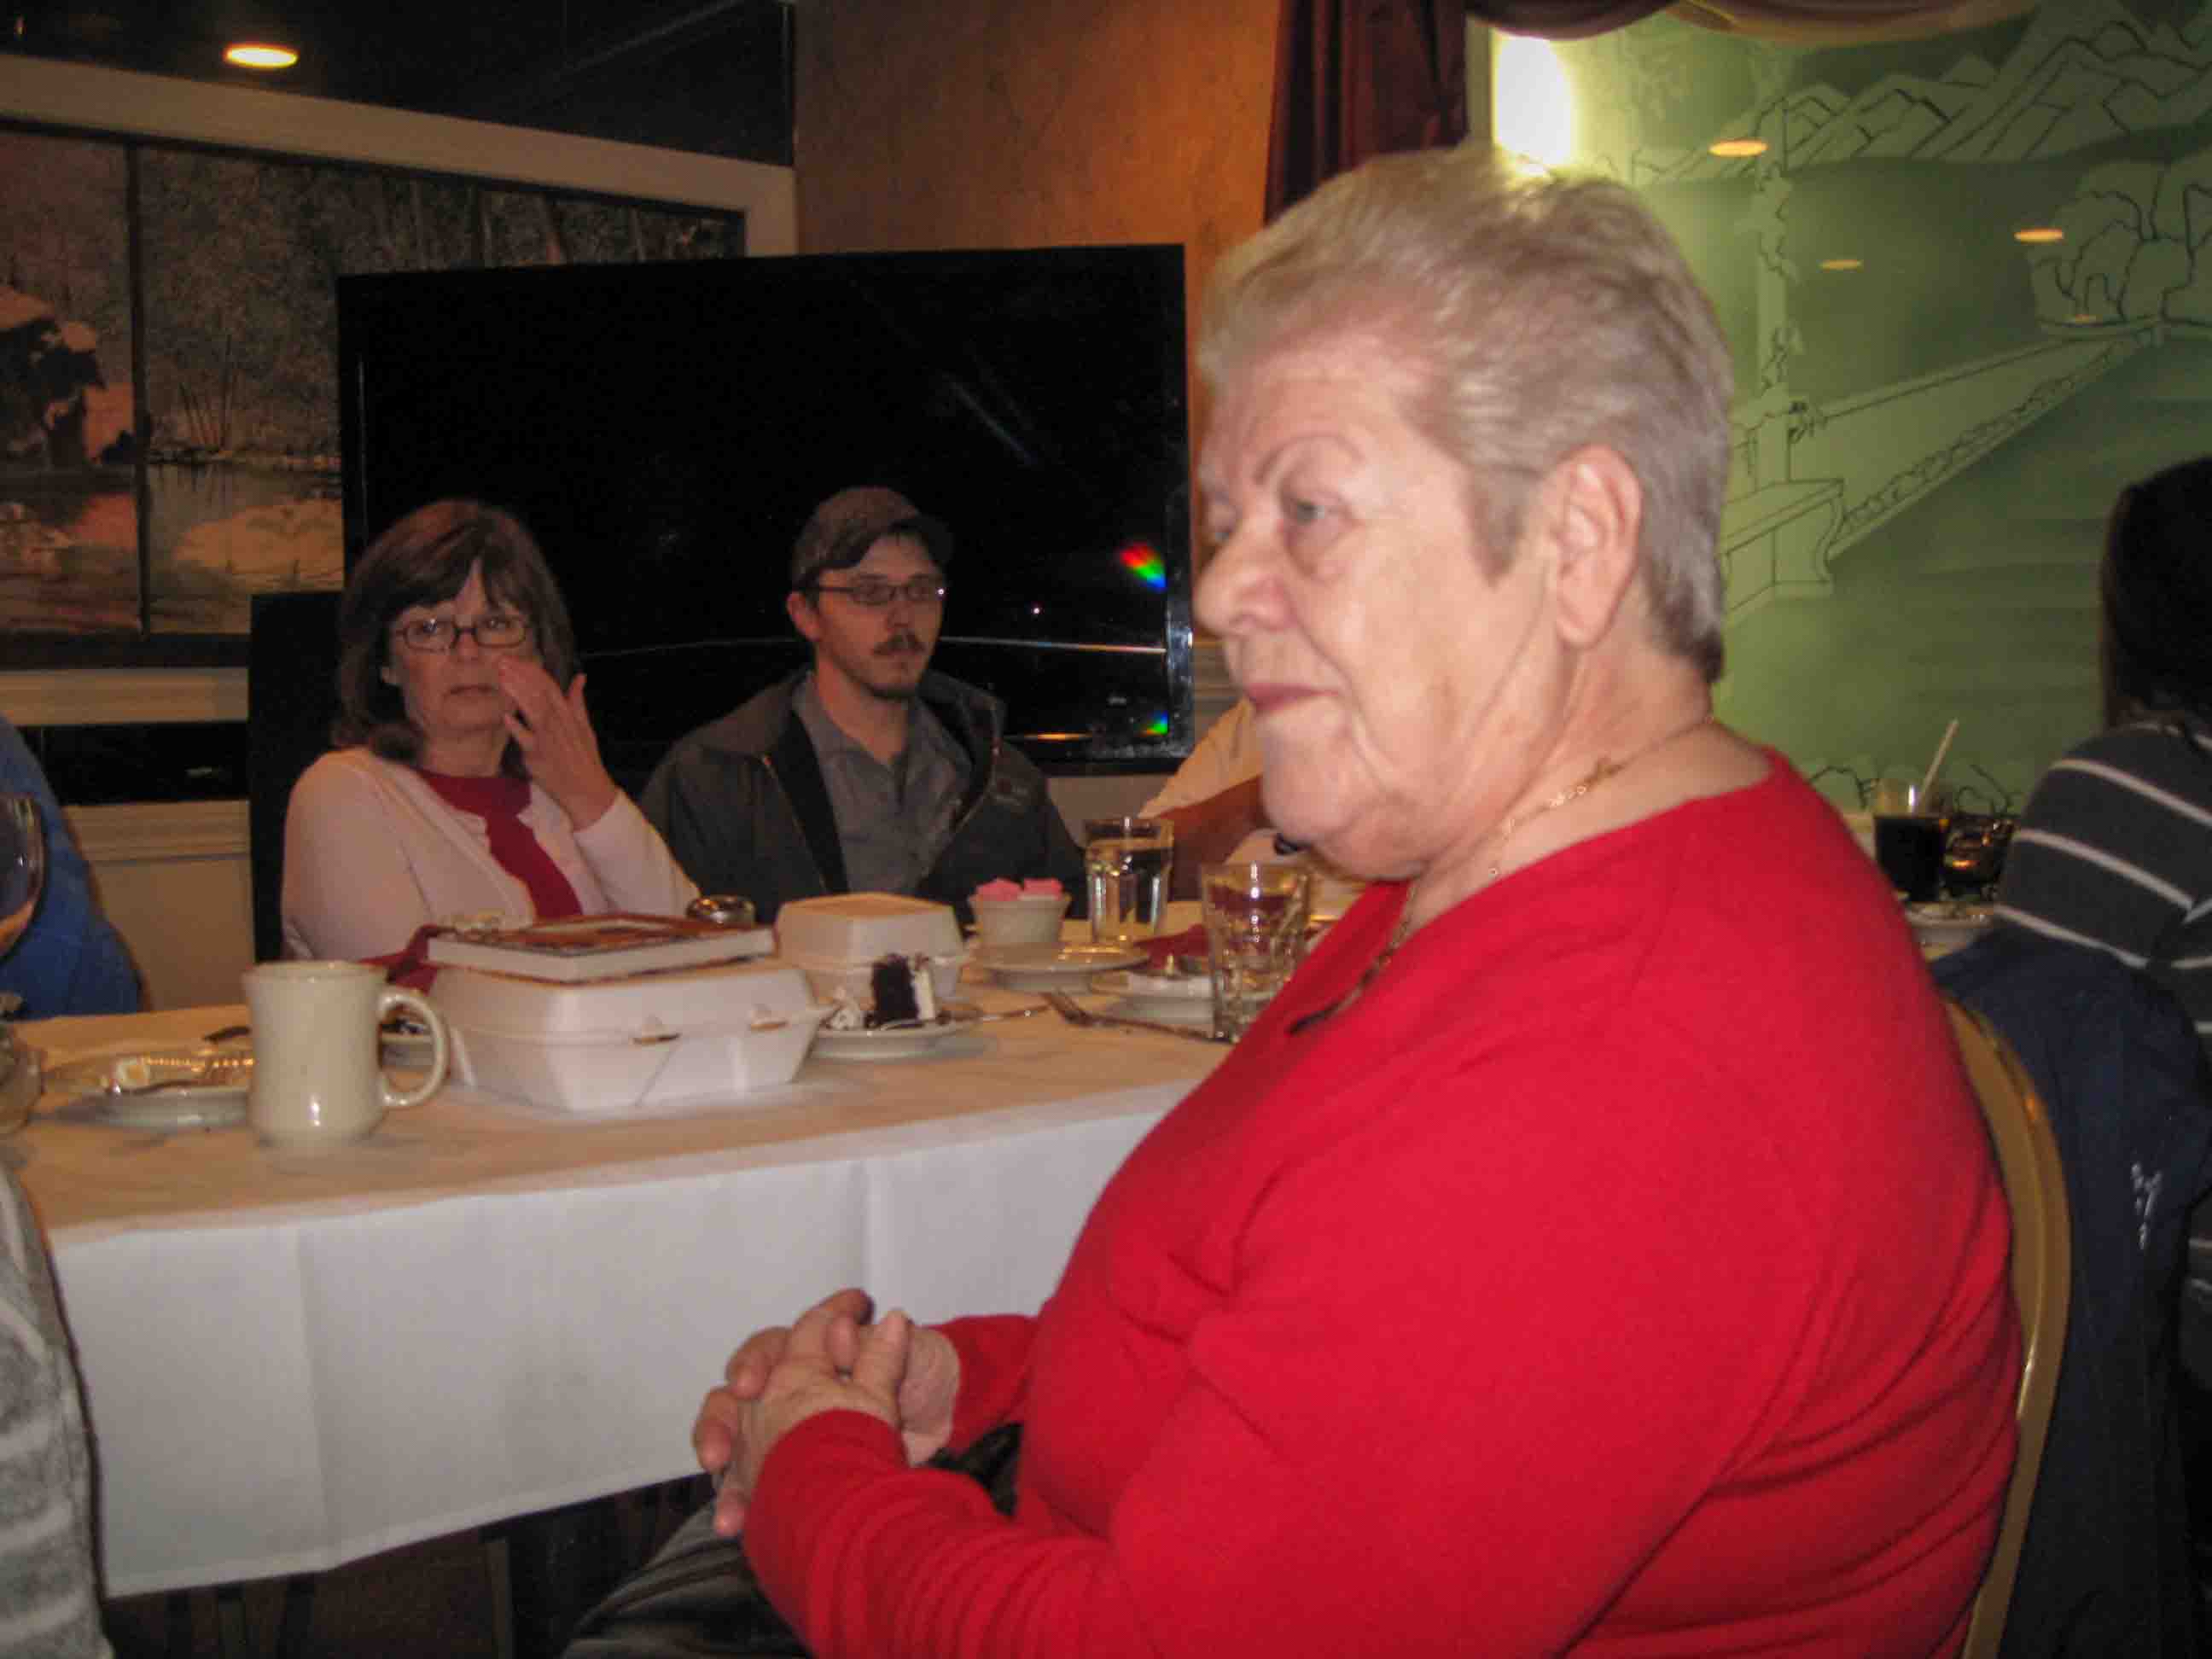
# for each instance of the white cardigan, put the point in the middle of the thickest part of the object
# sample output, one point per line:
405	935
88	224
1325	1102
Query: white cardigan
371	853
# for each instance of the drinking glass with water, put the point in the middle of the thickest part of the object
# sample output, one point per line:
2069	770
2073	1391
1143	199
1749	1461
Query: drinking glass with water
1256	919
1126	863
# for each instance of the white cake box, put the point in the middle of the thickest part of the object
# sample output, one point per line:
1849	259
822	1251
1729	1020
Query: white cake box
619	1045
837	939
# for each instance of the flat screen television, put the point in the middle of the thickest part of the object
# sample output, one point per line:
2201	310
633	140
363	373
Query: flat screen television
664	430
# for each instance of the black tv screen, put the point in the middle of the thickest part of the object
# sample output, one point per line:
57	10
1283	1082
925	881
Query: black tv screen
664	430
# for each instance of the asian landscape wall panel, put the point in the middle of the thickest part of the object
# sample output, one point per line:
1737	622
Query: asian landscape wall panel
1932	418
161	463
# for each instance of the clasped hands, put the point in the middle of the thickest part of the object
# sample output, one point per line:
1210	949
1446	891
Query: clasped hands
833	1360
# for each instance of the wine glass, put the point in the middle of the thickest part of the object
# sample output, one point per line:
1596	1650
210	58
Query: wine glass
22	865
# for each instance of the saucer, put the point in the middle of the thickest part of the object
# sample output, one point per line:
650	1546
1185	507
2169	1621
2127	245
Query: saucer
1945	925
1177	998
1053	966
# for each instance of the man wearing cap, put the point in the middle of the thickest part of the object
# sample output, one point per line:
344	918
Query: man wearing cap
864	772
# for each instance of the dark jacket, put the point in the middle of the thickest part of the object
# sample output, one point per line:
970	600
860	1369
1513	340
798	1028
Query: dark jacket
2105	1567
742	805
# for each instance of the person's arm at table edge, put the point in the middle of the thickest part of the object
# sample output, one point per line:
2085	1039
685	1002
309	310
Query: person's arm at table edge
1208	831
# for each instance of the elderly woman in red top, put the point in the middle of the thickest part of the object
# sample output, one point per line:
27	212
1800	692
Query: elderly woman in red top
1596	1248
469	782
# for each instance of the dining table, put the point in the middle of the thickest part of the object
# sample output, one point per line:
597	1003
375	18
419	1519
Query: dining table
488	1308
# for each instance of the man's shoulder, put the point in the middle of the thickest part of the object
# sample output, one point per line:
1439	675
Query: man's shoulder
752	728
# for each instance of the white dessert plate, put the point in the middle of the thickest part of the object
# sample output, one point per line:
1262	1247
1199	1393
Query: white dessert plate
1052	967
1181	999
888	1043
197	1106
181	1105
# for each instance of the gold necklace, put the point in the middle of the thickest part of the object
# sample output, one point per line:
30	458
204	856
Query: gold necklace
1605	768
1597	774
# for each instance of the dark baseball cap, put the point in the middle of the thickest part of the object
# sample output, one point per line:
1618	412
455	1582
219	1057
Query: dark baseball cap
843	528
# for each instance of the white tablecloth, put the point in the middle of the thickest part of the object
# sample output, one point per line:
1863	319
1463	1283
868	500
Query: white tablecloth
292	1361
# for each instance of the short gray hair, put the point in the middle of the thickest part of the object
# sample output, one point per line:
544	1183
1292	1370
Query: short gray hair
1539	314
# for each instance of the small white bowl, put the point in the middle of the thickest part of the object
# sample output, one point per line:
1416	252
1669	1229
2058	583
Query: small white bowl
1032	918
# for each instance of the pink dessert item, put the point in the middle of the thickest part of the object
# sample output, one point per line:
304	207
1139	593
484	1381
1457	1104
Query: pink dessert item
1044	888
999	889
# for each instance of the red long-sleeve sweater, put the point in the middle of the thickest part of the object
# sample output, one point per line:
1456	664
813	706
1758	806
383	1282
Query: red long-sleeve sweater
1625	1271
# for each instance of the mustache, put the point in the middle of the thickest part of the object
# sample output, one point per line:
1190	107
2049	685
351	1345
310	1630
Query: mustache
899	645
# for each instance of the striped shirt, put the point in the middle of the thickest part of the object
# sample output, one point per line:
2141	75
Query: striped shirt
48	1602
2115	852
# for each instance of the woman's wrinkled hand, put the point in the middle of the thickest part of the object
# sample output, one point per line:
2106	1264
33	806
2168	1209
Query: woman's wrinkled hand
553	732
833	1360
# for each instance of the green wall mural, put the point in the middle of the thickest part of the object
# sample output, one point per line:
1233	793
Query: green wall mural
1932	418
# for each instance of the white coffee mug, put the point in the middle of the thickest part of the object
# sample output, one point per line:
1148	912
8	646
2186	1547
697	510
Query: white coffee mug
317	1077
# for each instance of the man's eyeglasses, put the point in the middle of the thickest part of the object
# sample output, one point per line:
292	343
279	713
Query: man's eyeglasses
495	630
875	592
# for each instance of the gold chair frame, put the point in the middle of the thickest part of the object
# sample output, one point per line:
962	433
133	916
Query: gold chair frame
2042	1269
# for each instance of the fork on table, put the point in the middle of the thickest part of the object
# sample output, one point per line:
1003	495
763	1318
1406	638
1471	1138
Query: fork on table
1075	1014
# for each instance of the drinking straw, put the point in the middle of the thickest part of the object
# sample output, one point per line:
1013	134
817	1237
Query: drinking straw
1936	765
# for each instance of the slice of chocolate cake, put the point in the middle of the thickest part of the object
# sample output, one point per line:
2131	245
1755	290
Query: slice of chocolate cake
892	988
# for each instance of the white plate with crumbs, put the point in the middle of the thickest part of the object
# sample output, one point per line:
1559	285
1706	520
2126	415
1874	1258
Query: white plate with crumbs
883	1042
158	1088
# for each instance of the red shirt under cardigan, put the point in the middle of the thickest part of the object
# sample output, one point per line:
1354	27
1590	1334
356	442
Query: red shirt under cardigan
1625	1272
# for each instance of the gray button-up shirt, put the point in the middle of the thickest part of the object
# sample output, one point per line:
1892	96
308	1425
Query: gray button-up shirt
892	821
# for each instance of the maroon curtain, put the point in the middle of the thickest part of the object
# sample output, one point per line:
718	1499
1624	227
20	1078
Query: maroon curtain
1356	78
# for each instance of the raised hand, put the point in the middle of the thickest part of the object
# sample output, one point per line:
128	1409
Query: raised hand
553	732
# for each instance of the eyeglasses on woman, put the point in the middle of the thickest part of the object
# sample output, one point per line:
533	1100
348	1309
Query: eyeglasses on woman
495	630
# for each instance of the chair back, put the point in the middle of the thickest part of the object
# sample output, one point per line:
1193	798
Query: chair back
2042	1273
291	693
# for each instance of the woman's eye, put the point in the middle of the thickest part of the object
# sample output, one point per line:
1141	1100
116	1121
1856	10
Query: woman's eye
1302	511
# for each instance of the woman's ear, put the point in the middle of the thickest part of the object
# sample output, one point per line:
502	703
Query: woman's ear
388	674
1592	504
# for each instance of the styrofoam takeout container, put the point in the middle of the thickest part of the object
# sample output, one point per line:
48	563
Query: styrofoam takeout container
628	1045
836	940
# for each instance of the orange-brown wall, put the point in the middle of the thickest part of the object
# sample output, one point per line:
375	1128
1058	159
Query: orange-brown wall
966	124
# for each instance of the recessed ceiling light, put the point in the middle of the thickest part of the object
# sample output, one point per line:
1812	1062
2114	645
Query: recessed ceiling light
1735	147
1842	264
260	55
2040	233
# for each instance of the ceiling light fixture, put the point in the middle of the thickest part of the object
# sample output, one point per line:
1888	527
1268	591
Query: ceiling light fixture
1734	148
1842	264
2040	233
259	55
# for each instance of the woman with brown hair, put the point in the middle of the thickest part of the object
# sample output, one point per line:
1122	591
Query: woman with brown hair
468	781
